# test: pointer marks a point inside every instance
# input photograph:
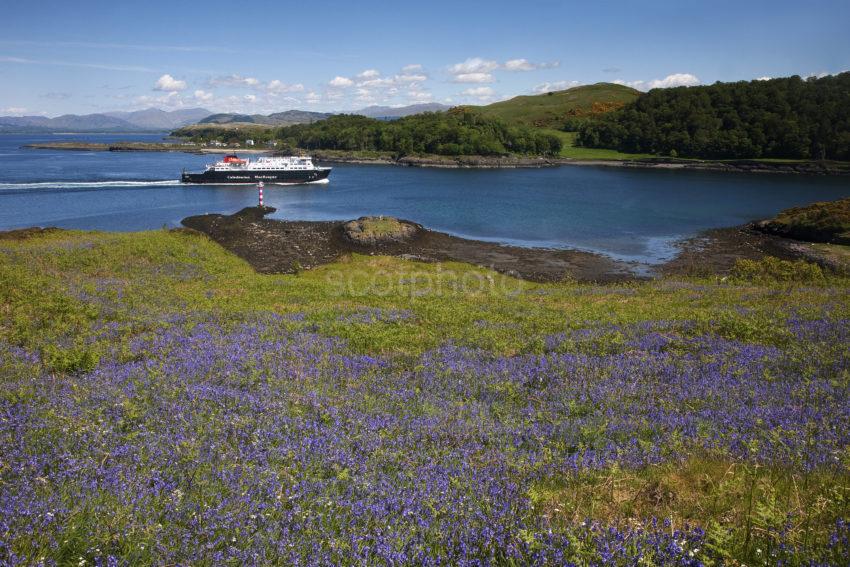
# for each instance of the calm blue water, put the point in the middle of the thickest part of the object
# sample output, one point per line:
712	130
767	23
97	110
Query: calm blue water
628	214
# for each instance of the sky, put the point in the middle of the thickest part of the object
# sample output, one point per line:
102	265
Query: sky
84	57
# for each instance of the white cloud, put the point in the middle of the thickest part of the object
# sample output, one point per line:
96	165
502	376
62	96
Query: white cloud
473	78
274	87
277	87
13	111
373	88
519	65
365	95
555	86
234	81
765	78
674	80
376	83
313	97
261	101
473	65
406	79
410	78
416	96
479	70
483	94
526	65
167	83
203	96
169	100
341	82
823	74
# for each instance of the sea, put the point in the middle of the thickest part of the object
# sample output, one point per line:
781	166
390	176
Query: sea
636	215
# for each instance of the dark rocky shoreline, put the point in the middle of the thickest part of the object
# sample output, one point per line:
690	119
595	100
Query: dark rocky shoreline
275	246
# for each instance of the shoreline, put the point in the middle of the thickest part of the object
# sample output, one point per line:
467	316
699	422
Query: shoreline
480	162
273	246
278	246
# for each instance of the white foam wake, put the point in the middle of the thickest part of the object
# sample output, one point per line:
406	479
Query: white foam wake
85	184
317	182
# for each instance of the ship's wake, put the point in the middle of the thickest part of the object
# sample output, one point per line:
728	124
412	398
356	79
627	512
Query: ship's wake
95	185
317	182
47	185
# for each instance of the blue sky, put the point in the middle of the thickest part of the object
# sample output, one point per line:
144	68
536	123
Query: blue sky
82	57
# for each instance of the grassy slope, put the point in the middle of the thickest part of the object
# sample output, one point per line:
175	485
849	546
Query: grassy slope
72	293
550	110
827	221
570	150
160	271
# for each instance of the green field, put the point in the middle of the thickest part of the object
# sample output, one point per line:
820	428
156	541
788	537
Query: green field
162	403
570	150
160	271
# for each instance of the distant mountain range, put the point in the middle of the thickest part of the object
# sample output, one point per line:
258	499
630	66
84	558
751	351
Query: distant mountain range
399	111
306	117
277	119
154	119
151	119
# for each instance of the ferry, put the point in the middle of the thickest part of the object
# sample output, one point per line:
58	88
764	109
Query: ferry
277	169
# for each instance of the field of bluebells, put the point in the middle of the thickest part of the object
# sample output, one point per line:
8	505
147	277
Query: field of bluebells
160	403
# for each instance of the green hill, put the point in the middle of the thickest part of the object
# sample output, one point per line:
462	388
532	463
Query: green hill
444	133
783	118
554	109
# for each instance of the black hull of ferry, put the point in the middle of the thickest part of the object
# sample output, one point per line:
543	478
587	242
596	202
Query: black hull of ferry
254	177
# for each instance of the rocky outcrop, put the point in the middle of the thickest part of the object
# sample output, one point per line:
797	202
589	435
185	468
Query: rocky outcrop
276	246
825	221
375	231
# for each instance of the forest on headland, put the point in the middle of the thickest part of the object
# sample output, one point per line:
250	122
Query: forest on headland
456	132
789	118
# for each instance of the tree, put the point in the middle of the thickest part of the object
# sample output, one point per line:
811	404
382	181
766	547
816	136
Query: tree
779	118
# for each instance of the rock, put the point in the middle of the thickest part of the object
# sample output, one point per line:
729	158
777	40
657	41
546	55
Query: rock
253	214
373	231
825	221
